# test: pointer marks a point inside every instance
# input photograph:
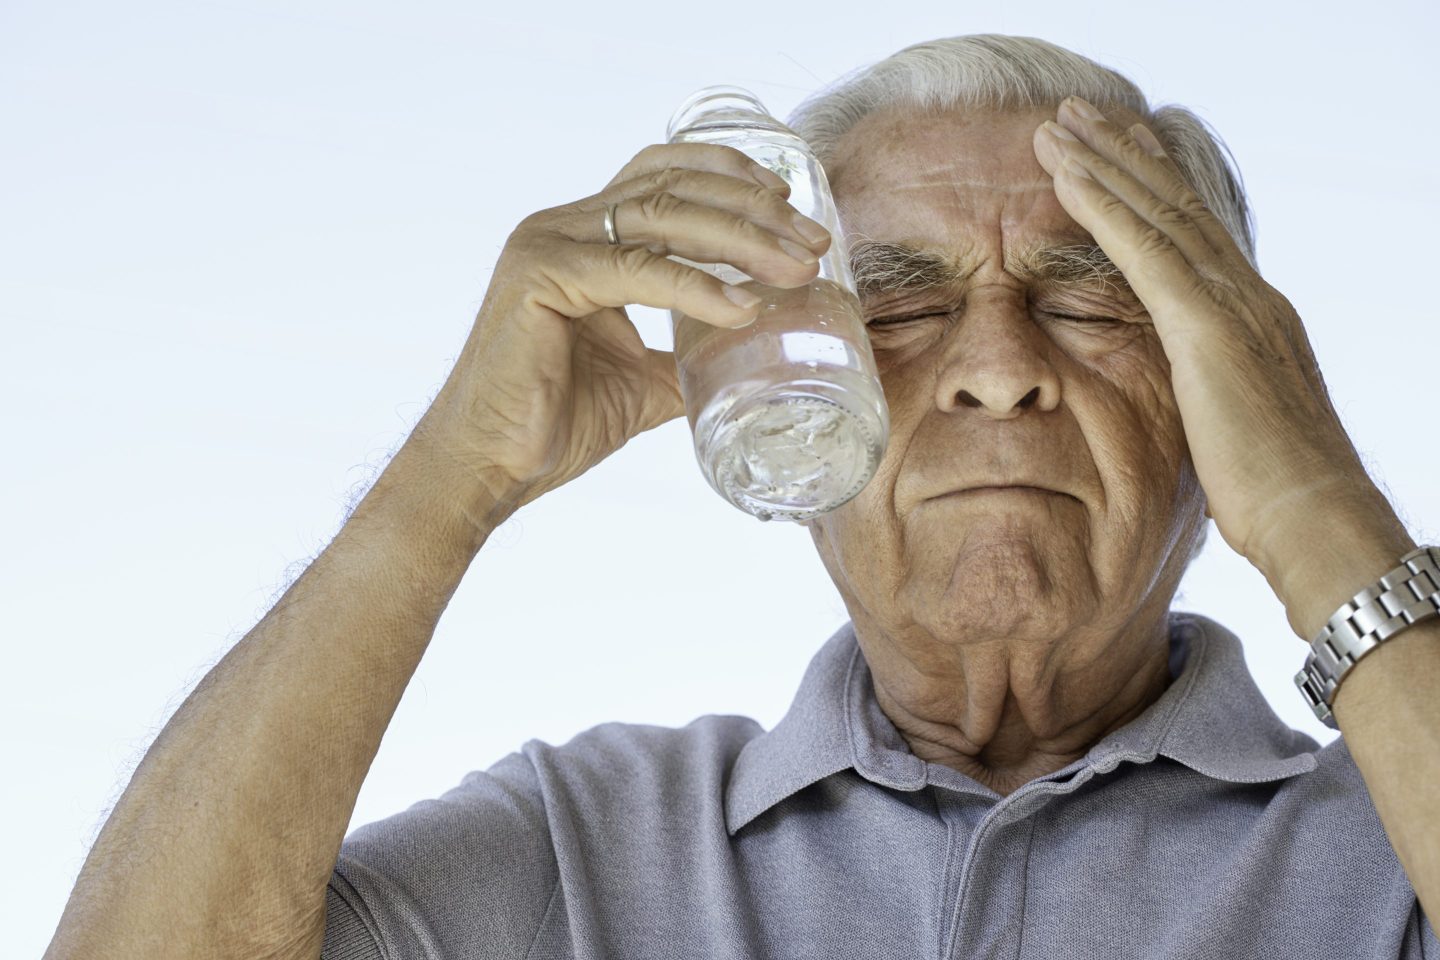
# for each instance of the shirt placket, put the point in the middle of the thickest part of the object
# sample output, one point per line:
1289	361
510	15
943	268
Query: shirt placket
986	872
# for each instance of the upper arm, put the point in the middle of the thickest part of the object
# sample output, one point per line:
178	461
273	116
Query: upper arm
467	874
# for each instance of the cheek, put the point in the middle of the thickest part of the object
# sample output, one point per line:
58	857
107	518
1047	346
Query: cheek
1143	374
908	382
1134	430
860	543
895	353
905	358
1103	345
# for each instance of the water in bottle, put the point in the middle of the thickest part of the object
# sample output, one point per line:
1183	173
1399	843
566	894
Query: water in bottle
787	413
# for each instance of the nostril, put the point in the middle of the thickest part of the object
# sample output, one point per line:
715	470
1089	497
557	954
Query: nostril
967	398
1029	399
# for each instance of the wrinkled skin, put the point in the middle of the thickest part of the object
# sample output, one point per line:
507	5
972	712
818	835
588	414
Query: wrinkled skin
1007	630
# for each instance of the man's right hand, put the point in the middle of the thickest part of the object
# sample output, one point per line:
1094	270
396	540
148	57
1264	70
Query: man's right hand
554	377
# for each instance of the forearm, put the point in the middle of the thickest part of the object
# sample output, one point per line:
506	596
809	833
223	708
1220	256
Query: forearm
224	840
1386	707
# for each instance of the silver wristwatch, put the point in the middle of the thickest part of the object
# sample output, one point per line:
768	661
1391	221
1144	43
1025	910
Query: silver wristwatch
1408	594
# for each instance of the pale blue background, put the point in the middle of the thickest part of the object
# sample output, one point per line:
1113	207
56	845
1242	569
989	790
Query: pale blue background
241	244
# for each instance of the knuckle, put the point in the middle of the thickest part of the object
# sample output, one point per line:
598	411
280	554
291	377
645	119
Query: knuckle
638	162
775	205
1112	206
667	178
747	231
1166	217
737	233
629	261
689	279
1153	241
647	158
1133	154
660	205
1191	204
549	221
527	236
644	155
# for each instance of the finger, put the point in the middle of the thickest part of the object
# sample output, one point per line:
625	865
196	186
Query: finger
1145	159
741	198
667	224
1159	274
1058	147
577	279
714	157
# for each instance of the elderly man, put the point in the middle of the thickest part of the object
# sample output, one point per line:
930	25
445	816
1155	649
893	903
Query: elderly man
1014	748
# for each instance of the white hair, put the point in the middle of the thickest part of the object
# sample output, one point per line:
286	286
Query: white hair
991	71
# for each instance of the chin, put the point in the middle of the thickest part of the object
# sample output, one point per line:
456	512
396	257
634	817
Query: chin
1004	589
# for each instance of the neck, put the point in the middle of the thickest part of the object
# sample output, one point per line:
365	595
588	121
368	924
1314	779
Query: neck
1004	716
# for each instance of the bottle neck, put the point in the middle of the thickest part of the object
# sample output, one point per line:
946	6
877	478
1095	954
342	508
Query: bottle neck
721	107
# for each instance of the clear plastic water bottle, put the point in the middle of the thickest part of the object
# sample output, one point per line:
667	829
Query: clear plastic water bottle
788	414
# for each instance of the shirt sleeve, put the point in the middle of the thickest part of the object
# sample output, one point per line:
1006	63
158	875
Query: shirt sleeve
347	935
467	874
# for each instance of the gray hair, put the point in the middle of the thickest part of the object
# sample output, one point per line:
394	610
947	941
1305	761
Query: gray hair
990	71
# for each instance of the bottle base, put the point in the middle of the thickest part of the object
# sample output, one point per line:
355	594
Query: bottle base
791	455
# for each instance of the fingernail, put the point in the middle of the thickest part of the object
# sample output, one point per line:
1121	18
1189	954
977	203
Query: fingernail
1055	130
1084	109
1147	140
740	296
768	178
797	251
809	229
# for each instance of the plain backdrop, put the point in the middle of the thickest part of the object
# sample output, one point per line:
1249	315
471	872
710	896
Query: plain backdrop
241	245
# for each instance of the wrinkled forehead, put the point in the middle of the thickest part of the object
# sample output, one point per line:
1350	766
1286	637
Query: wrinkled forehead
910	172
913	144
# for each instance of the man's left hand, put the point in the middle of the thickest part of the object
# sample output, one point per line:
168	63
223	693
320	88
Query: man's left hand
1266	443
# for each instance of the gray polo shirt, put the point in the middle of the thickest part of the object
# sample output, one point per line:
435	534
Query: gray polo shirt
1203	828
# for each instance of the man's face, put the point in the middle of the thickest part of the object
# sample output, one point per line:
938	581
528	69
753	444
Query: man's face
1020	373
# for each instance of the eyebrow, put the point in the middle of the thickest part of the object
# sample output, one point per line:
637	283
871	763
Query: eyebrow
888	267
1070	265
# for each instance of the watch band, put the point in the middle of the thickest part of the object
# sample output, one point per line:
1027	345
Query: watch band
1408	594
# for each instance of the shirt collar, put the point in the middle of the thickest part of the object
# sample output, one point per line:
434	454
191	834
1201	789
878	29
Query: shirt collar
1212	718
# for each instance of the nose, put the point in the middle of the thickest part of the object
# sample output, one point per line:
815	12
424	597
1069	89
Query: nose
997	361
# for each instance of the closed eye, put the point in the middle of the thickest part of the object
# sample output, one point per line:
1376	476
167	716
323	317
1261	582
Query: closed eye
891	321
1074	317
1080	317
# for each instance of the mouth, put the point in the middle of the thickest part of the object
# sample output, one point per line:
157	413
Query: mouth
1004	490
